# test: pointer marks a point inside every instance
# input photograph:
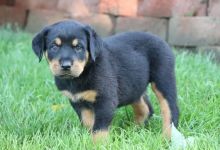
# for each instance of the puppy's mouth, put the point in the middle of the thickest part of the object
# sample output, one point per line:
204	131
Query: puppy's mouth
65	75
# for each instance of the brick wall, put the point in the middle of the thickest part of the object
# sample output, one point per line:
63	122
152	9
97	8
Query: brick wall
194	23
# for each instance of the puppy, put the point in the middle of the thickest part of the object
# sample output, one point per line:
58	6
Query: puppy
100	75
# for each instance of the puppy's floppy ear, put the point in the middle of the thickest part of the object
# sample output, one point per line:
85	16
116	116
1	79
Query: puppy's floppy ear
38	43
94	42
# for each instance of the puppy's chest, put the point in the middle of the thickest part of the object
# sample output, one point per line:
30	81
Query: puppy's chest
86	95
77	91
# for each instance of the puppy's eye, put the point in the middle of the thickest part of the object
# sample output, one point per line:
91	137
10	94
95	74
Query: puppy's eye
54	47
78	48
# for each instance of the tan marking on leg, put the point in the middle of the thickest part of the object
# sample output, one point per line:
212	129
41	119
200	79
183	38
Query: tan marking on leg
88	95
141	111
165	112
99	136
88	118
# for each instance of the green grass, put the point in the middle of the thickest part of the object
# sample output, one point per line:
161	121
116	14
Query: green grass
28	94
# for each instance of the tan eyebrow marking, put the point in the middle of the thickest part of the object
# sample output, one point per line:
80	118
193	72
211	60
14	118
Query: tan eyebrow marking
58	41
75	42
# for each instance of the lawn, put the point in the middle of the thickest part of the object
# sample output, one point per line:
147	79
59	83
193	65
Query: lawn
34	115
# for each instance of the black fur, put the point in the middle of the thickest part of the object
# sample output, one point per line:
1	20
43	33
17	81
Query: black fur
120	69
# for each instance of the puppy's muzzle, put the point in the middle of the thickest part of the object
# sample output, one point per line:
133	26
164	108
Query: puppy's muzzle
66	64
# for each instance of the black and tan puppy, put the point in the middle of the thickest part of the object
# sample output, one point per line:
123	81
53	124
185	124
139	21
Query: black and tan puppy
100	75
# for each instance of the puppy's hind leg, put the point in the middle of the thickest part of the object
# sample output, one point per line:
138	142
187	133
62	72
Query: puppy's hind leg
85	113
165	90
151	110
142	110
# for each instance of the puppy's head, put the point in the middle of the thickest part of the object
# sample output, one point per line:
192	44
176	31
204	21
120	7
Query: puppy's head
68	46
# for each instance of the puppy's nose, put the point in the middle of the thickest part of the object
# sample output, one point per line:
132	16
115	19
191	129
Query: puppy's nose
66	64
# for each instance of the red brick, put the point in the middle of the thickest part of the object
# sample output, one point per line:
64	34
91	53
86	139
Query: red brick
76	8
214	8
194	31
12	15
45	18
147	24
119	7
37	4
40	18
3	2
155	8
168	8
92	5
7	2
189	8
101	23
